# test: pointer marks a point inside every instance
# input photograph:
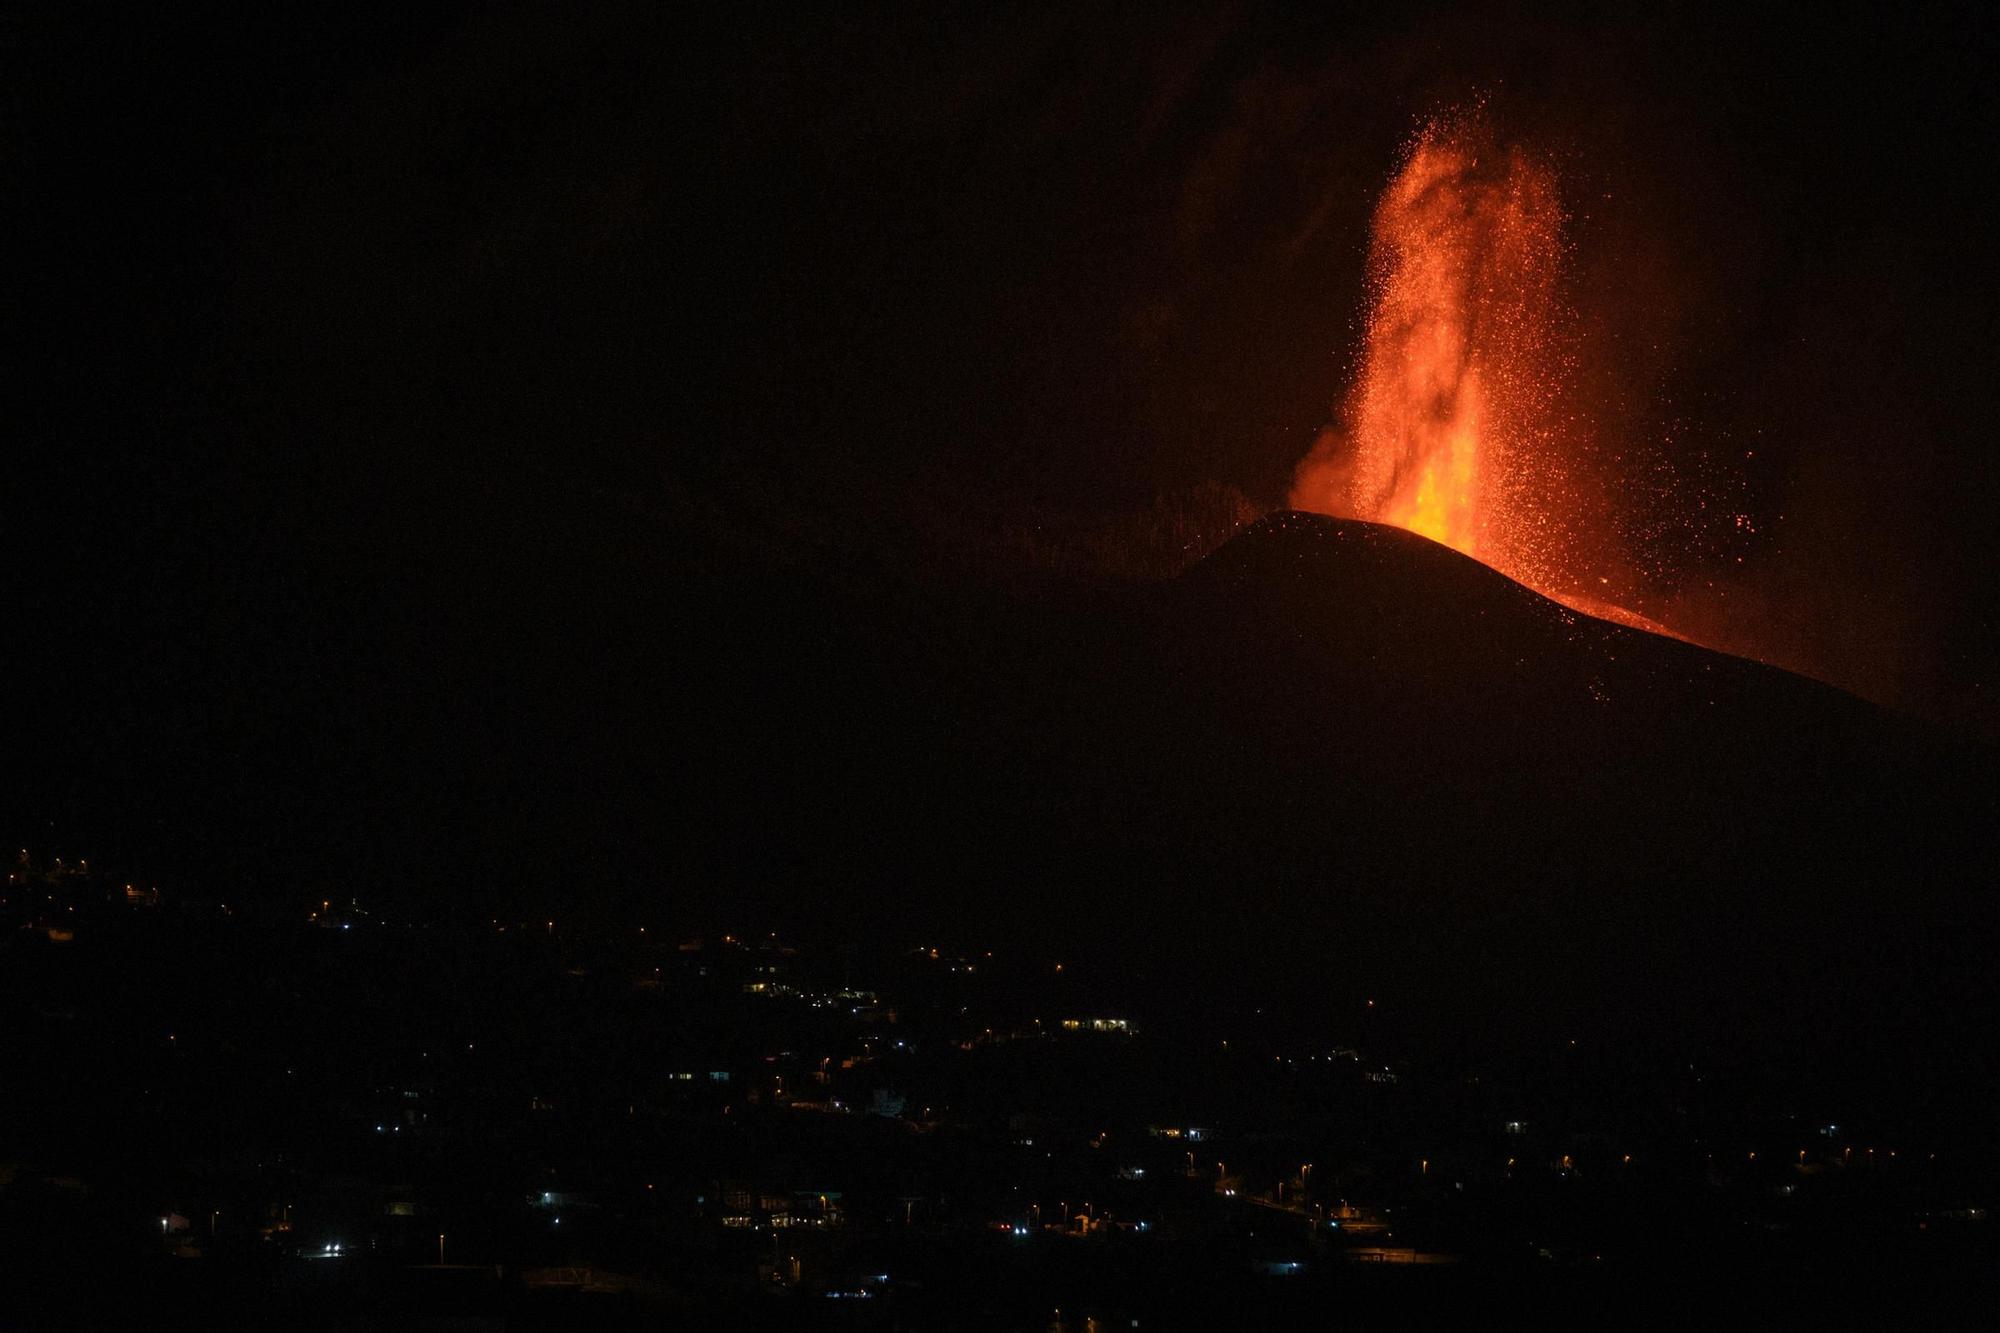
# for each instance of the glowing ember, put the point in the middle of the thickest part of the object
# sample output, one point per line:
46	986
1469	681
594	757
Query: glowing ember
1455	427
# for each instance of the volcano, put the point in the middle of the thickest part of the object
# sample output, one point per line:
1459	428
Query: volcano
1341	756
1423	665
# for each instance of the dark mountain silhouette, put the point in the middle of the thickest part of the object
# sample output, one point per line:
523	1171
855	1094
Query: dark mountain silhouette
1340	759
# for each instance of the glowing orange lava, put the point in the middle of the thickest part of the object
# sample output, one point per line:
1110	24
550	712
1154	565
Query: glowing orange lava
1455	427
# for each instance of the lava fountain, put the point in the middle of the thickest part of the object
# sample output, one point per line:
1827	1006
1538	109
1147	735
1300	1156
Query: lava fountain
1455	427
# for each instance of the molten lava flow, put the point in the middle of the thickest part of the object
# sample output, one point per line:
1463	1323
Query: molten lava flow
1454	427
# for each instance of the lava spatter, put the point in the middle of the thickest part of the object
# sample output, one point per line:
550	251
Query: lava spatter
1456	426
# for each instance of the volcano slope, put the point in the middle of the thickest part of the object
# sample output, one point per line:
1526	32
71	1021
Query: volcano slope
1345	759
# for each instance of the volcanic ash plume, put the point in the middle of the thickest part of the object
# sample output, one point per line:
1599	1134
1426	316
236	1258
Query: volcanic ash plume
1452	428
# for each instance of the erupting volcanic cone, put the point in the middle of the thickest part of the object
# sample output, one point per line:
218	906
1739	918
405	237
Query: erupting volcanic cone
1457	427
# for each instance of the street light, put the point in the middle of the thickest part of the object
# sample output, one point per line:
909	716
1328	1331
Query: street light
440	1249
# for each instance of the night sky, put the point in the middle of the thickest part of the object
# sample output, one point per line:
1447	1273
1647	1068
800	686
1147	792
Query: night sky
408	394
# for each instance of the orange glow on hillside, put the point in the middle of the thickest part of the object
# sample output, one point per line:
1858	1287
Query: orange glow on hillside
1455	427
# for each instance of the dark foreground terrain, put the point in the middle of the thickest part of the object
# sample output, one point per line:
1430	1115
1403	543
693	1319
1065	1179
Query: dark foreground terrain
358	1123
